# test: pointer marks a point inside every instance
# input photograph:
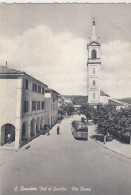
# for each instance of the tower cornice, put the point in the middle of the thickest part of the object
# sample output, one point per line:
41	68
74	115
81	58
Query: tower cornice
93	44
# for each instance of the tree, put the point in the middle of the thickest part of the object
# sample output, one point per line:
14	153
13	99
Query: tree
108	119
67	108
88	111
61	111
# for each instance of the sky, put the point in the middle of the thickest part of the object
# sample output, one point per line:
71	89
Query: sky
49	42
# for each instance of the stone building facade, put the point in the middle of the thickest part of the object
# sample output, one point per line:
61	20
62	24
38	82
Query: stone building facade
60	101
22	108
51	107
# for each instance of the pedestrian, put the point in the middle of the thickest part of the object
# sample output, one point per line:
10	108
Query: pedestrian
48	129
58	130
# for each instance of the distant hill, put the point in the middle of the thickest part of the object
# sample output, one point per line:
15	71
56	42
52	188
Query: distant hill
76	99
82	100
126	100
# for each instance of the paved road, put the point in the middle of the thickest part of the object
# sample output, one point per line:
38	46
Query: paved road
62	165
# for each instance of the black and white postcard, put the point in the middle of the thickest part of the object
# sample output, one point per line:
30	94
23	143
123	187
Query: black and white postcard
65	99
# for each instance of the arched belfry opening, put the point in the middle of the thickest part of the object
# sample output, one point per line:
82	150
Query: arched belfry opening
94	55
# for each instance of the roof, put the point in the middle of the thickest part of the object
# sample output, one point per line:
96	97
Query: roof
4	70
94	40
94	36
7	70
102	93
51	90
115	103
79	124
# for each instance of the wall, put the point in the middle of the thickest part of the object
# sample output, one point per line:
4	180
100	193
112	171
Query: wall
104	99
37	115
29	95
51	108
12	97
8	98
48	109
93	64
54	112
96	88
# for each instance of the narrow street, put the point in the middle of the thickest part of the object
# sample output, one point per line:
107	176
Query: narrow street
59	164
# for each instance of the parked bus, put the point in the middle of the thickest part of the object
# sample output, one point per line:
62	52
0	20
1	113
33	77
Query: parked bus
79	129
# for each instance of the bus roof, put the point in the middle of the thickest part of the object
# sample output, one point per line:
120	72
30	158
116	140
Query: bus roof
80	124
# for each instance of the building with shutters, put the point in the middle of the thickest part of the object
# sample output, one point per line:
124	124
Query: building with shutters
51	107
22	108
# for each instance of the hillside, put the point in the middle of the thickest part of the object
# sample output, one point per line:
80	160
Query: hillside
81	100
126	100
76	99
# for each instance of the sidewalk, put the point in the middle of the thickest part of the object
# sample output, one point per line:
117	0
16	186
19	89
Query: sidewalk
114	145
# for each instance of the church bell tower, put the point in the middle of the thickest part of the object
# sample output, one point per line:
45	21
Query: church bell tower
93	68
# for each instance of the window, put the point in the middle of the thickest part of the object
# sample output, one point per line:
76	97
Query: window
39	89
43	105
54	96
33	105
34	87
26	84
43	90
94	70
25	108
38	105
94	82
94	95
93	54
